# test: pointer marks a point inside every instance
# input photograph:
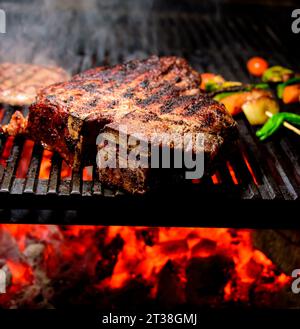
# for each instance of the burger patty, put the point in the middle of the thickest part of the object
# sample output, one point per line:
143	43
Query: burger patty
20	83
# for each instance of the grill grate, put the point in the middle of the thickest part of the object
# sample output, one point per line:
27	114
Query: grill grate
258	171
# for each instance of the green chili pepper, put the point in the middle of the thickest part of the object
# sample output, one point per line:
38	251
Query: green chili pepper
280	87
291	117
270	127
275	122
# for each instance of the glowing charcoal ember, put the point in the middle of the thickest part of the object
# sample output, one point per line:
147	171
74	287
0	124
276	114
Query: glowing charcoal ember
21	273
113	261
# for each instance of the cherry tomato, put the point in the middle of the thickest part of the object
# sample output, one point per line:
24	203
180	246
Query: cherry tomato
257	66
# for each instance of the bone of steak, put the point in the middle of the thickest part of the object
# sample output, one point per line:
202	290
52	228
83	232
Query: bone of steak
155	94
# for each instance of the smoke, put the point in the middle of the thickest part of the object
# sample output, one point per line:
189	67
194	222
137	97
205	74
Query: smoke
35	32
73	34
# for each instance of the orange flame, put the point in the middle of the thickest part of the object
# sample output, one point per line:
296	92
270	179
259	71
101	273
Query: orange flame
87	174
215	179
1	114
45	165
24	161
6	151
66	171
250	169
232	173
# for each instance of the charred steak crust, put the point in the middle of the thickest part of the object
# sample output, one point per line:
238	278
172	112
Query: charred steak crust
155	93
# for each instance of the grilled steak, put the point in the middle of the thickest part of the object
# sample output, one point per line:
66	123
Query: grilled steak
156	94
19	83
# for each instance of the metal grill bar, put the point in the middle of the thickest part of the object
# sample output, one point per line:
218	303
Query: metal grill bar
33	170
54	174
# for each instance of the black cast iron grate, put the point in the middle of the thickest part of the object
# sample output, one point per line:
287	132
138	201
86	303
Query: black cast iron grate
258	171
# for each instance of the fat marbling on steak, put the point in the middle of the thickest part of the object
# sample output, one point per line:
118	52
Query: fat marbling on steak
149	95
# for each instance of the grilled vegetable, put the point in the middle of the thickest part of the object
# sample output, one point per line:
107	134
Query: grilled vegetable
291	117
232	84
270	127
210	81
277	74
233	101
291	94
257	66
256	104
263	86
275	122
282	86
225	94
205	77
